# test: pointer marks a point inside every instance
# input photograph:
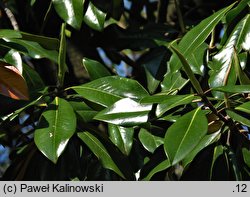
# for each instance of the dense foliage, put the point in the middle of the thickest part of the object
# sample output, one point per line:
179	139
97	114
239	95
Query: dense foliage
125	90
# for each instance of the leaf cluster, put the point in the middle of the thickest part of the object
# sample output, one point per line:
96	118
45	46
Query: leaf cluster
179	111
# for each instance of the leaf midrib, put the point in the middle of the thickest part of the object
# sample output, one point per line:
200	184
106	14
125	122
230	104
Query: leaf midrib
191	123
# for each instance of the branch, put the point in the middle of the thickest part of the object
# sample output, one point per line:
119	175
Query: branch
10	15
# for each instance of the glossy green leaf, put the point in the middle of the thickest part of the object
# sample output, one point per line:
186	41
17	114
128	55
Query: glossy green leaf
125	112
196	36
149	141
235	116
244	38
154	63
160	167
243	60
173	81
9	33
243	78
71	11
107	90
196	59
204	142
87	115
33	49
83	111
183	136
122	137
100	151
62	67
14	58
95	69
245	107
234	89
221	66
156	98
45	42
171	117
173	101
188	70
55	129
232	14
246	156
94	17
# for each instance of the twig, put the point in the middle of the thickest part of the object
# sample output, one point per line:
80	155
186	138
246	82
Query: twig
10	15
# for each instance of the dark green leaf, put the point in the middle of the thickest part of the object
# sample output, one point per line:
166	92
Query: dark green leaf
173	81
83	111
196	59
196	36
107	90
55	129
188	71
238	118
156	98
218	152
45	42
149	141
234	89
204	142
233	161
160	167
9	33
62	67
34	49
95	69
246	156
154	63
232	14
87	115
183	136
94	17
173	101
245	107
243	60
125	112
71	11
244	38
243	78
100	151
122	137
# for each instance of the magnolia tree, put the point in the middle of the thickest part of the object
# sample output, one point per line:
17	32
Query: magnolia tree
94	90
